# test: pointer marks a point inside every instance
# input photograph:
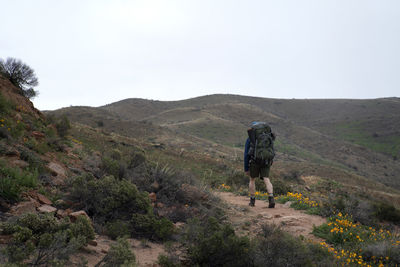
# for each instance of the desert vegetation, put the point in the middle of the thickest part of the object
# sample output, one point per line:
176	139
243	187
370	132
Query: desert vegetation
41	240
212	243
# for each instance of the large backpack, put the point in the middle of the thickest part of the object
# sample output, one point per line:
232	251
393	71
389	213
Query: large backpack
261	149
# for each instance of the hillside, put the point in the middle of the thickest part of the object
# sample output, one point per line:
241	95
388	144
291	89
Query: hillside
358	136
67	193
86	186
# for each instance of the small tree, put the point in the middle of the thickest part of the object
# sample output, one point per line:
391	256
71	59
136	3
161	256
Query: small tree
21	75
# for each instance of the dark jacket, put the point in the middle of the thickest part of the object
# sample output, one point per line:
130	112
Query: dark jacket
246	155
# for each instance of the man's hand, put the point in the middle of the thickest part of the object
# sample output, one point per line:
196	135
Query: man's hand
247	173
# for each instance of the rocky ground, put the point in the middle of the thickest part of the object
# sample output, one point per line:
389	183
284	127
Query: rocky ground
248	220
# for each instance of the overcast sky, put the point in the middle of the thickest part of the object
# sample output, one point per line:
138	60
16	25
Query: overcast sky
97	52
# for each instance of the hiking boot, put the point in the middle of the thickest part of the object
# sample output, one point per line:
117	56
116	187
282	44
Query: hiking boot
271	201
252	201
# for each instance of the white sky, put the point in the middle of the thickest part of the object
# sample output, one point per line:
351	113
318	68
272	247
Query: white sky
97	52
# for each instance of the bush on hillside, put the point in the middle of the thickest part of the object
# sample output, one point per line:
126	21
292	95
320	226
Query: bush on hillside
20	74
277	248
41	240
63	126
5	105
117	229
136	159
361	211
14	181
119	254
115	154
119	203
169	183
108	198
210	243
147	225
176	191
56	143
82	227
34	160
39	147
179	190
113	167
387	212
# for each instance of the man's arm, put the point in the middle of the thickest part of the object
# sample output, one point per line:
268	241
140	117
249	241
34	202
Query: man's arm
246	155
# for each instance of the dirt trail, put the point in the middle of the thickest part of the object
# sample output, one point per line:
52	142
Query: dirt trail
248	220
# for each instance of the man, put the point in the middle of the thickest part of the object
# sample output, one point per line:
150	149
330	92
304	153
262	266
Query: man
255	168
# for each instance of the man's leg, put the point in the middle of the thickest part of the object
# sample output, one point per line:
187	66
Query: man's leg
270	191
268	185
252	191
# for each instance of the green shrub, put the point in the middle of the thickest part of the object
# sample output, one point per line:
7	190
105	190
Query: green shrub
118	202
116	154
56	144
63	126
280	187
170	185
30	143
50	131
18	129
32	158
82	227
5	105
178	190
213	244
108	198
137	158
117	229
40	240
387	212
147	225
42	148
273	247
113	167
119	254
14	181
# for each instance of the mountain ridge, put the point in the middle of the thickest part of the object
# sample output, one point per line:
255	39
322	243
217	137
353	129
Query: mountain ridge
322	131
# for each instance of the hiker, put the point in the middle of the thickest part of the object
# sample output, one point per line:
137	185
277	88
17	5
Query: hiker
258	158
